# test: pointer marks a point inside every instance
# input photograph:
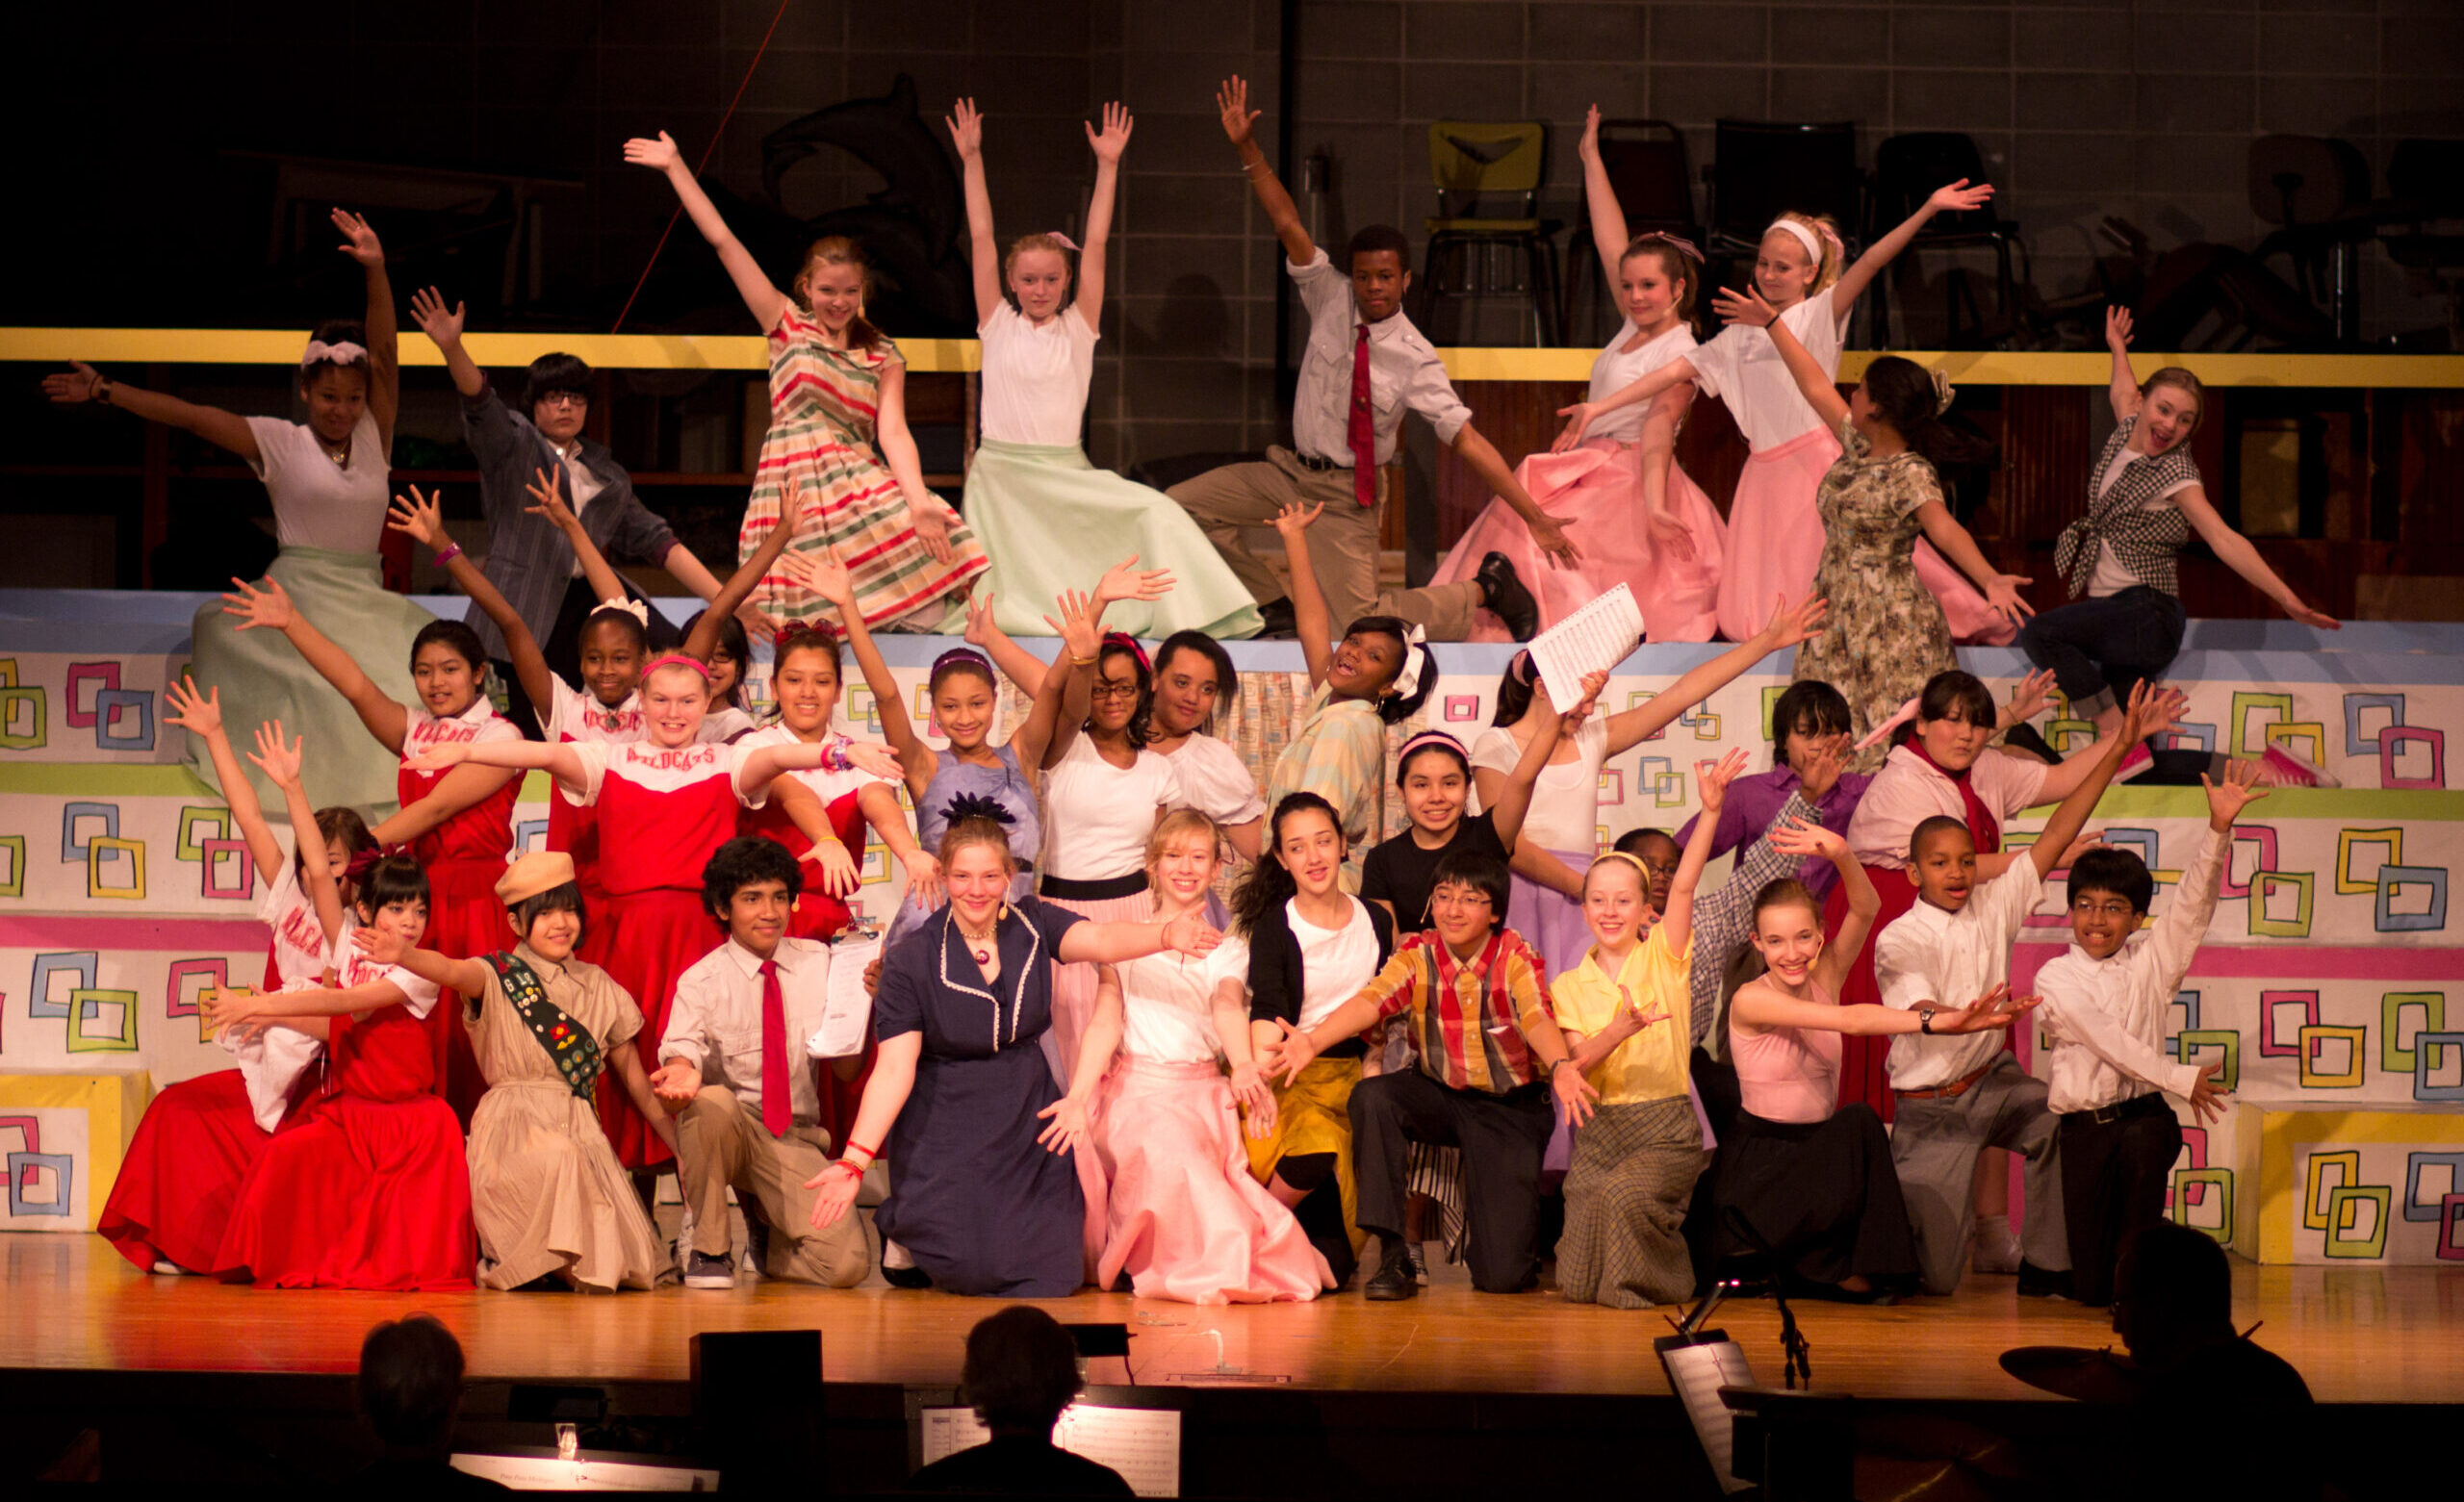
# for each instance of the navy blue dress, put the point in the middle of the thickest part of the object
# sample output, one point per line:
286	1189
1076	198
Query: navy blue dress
973	1199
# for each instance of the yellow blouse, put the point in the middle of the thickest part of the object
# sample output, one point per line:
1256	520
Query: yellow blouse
1652	1064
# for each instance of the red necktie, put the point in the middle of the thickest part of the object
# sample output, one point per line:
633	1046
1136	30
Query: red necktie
778	1106
1363	429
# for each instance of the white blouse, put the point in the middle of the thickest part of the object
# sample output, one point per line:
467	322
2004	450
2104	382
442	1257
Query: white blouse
1565	802
1035	379
1098	817
1335	963
316	502
1168	1000
1216	781
1743	369
1616	369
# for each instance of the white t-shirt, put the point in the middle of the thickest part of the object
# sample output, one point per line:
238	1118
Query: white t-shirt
1565	802
316	502
1335	963
1615	369
725	723
1216	781
478	726
1743	369
299	951
1167	1001
1035	379
2110	577
272	1061
1098	817
352	968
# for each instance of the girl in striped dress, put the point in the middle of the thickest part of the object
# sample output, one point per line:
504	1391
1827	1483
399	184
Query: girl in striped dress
838	385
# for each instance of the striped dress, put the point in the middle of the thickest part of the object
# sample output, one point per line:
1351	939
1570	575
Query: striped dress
823	405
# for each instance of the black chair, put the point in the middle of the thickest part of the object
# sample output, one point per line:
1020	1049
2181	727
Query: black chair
1907	170
1647	166
1761	167
2419	226
2314	190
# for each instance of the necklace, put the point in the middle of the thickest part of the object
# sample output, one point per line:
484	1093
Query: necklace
984	953
339	457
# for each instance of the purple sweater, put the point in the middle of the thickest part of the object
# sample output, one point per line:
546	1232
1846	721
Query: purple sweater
1754	801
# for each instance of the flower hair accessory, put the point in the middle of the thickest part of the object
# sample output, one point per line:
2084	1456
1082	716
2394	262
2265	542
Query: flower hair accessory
975	805
340	352
1128	644
1942	392
640	612
362	862
1416	661
1066	243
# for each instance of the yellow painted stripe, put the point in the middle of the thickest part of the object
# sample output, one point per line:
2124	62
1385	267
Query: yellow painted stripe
1998	368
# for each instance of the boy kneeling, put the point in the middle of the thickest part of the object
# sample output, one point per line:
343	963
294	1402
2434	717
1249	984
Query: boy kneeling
733	1069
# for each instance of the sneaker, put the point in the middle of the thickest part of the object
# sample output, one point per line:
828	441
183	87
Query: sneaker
169	1268
2042	1283
1503	594
706	1271
2281	768
1394	1279
2138	757
681	1251
757	1249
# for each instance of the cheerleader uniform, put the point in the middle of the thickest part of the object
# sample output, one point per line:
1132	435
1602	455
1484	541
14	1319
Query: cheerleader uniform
578	717
1097	818
463	858
1596	489
663	814
370	1189
197	1139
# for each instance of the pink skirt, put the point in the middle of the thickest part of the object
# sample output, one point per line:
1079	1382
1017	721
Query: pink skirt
1073	986
1597	491
1973	623
1182	1214
1775	531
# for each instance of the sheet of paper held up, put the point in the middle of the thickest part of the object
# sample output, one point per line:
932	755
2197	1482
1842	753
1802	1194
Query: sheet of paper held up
1141	1443
845	1008
1594	639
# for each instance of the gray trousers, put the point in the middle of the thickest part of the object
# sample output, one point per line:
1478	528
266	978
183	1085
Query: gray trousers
1933	1145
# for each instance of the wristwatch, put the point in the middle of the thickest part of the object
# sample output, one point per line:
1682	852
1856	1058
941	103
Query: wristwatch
1925	1021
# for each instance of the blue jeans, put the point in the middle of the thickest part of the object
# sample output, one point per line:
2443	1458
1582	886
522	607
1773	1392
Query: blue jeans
2100	649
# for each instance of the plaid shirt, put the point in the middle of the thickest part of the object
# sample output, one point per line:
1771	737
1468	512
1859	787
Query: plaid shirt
1470	1021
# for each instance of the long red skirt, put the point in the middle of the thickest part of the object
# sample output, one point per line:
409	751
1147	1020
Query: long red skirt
1863	1079
172	1199
465	922
646	941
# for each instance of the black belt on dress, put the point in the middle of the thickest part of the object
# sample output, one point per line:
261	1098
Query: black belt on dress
1313	462
1105	890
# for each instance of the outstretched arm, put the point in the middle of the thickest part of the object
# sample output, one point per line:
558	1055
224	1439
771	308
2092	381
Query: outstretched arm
1096	1047
559	761
1957	544
271	608
1956	197
1310	620
421	519
1069	683
826	575
885	1093
983	631
384	339
1629	728
548	503
281	764
984	252
465	976
1582	413
464	787
1507	796
1239	123
1655	453
1548	533
1711	781
225	430
2237	554
2070	814
1608	236
1108	144
444	328
766	302
2123	393
1815	383
201	715
1864	904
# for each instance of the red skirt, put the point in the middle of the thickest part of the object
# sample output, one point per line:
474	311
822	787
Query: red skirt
361	1194
195	1144
464	921
1863	1079
646	940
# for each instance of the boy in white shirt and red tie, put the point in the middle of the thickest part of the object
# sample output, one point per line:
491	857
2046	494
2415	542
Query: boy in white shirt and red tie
733	1068
2105	1001
1959	1095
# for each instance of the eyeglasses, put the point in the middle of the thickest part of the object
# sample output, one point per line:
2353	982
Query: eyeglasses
565	400
1113	690
1658	868
2090	907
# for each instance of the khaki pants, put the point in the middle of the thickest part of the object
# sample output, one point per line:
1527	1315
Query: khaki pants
722	1146
1342	542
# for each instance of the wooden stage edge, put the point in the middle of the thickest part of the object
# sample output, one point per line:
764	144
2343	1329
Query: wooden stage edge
2391	1334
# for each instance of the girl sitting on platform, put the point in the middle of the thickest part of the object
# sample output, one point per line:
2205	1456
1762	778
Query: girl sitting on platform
1774	525
1193	675
959	1082
730	657
368	1188
171	1203
1031	496
326	480
2118	561
838	385
1644	523
1179	1211
548	1199
1312	948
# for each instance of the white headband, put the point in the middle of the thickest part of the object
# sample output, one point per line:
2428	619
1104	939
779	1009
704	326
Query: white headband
1805	237
341	352
640	612
1408	682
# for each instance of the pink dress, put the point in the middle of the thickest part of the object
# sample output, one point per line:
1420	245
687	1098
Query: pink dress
1596	491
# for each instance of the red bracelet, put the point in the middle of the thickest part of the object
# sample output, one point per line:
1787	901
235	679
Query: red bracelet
850	1167
869	1152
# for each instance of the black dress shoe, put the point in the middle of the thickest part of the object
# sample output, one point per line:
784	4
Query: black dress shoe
906	1277
1393	1278
1506	598
2044	1283
1277	621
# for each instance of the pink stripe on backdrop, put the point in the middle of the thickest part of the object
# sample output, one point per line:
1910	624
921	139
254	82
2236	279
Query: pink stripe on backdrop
2268	962
227	935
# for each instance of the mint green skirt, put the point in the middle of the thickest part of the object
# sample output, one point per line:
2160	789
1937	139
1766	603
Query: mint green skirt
262	676
1049	522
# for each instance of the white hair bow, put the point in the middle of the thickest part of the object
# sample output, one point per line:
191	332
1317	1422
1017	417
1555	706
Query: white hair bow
340	352
1416	656
641	613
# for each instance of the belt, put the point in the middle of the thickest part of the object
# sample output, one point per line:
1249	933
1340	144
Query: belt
1105	890
1313	462
2136	1106
1956	1088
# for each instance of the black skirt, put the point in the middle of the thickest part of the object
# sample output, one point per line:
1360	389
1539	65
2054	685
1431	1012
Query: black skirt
1820	1197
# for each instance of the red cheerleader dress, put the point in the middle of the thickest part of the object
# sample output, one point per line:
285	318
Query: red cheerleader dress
370	1189
464	857
662	814
199	1138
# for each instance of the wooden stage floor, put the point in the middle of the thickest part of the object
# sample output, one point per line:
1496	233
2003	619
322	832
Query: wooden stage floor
2394	1334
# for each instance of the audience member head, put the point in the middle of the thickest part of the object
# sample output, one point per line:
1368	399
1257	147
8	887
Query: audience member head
448	668
1193	675
750	885
543	902
832	284
2169	406
1659	852
1434	774
1021	1372
1379	260
964	697
1955	719
806	678
1467	898
1380	662
1788	931
2111	889
2172	1293
556	394
1304	852
333	379
1942	861
410	1385
1036	273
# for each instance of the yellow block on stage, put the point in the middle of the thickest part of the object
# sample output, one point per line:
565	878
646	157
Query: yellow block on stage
62	1138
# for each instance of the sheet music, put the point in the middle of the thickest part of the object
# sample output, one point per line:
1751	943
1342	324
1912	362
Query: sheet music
1594	639
845	1008
1698	1373
1141	1443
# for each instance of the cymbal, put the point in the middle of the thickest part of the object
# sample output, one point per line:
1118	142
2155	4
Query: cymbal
2092	1375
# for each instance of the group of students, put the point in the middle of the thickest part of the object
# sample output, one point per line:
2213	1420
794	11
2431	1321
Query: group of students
1083	1064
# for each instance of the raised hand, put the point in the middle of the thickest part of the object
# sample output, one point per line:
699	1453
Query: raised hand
359	241
548	501
427	311
1076	626
1796	837
1232	102
2227	800
980	627
659	155
1068	1128
1594	683
966	129
2208	1099
1577	418
1112	140
1748	307
1787	626
1549	534
379	946
1823	766
1125	581
2152	711
838	873
268	607
2002	597
1295	518
2088	840
825	575
1587	149
419	517
1959	197
78	384
1191	935
932	525
2029	699
202	712
2117	328
1711	779
279	763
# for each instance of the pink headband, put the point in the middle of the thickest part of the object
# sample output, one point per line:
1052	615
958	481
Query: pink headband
676	660
1518	668
1064	238
1427	739
1128	644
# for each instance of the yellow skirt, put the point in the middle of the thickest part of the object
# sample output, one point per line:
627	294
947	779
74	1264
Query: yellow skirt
1313	1115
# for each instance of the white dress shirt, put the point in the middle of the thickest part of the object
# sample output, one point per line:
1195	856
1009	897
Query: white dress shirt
2106	1017
715	1024
1404	372
1950	959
